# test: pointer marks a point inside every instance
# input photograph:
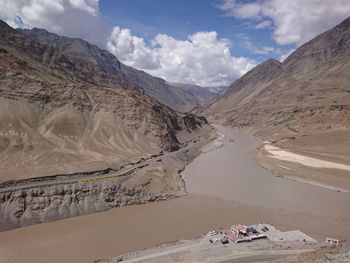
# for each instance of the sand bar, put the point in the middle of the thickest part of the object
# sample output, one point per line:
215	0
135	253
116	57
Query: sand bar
286	155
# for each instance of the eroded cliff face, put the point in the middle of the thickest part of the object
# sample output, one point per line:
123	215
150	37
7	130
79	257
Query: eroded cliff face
45	204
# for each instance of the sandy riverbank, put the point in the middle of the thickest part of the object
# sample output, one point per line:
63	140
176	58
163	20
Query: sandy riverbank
289	156
321	159
286	158
231	172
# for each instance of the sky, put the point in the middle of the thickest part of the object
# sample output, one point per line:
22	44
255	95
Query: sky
205	42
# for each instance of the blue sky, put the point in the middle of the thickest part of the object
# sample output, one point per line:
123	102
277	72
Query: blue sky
181	18
205	42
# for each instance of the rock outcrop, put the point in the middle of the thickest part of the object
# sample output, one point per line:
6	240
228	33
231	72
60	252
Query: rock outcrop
45	204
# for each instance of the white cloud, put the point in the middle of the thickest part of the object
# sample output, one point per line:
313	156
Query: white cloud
250	10
263	24
295	22
286	54
75	18
203	58
131	49
91	6
264	50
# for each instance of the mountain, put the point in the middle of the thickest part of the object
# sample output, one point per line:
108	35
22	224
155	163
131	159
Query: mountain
315	75
202	94
105	69
243	90
301	104
59	114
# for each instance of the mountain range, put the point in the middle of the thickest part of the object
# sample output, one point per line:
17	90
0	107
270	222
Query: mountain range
301	104
105	69
67	106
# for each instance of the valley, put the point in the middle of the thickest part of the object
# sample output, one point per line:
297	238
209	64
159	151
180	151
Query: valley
225	185
300	105
99	159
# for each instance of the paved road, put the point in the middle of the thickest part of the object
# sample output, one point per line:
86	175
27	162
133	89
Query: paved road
74	178
251	257
254	259
85	176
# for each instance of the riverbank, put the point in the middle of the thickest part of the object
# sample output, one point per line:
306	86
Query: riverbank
46	199
216	246
225	185
132	228
320	158
232	172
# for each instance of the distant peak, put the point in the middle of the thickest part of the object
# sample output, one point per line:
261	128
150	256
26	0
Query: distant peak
39	29
272	61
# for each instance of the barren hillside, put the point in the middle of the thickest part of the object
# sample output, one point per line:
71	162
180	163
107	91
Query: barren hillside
301	104
105	69
55	117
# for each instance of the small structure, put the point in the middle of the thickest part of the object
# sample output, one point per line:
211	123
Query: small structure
243	233
258	236
243	239
235	232
333	241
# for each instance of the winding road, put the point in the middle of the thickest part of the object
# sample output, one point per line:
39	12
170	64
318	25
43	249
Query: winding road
79	177
83	177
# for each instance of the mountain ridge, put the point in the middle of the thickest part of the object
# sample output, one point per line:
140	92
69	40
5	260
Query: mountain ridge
54	119
272	74
301	105
109	67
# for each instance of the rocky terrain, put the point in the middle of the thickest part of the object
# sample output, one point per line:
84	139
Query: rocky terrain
154	182
62	116
301	104
201	94
55	118
105	69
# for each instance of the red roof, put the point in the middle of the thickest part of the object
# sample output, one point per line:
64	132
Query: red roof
233	232
231	235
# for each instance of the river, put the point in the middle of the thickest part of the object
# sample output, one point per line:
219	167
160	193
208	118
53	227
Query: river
225	185
231	172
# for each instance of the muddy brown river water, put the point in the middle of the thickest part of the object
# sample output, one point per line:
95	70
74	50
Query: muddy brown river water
232	173
226	186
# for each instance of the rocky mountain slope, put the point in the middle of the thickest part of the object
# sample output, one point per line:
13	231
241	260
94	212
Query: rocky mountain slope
105	69
315	70
60	116
63	119
201	94
301	104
